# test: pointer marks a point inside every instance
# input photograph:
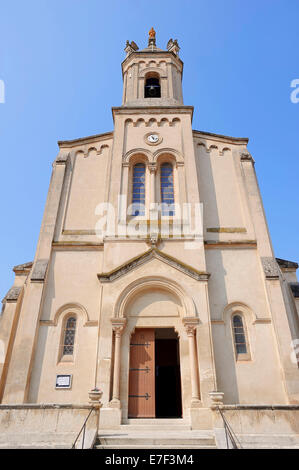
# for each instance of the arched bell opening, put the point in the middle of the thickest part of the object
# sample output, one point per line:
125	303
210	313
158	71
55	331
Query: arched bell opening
152	86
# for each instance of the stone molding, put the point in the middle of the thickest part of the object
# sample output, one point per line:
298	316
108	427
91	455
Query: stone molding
23	268
270	267
220	137
71	307
153	282
152	157
39	270
45	406
85	140
230	243
227	229
153	253
118	325
13	294
190	324
246	157
62	158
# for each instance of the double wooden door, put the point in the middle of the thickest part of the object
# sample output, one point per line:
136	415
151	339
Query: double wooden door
142	374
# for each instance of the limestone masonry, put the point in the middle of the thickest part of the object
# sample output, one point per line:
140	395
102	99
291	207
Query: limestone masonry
155	282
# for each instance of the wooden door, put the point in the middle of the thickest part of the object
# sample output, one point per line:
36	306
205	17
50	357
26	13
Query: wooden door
142	374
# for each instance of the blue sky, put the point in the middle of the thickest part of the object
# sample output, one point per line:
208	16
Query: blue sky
60	62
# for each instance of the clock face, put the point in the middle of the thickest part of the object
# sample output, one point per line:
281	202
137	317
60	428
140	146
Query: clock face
153	138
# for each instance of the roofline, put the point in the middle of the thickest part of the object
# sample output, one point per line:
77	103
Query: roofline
21	268
286	264
69	143
240	140
151	53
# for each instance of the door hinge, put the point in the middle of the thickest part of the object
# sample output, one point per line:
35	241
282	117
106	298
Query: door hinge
146	396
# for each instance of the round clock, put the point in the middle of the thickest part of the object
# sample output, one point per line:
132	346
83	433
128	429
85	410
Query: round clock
153	138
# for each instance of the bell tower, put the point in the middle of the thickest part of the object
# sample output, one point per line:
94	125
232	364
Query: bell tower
153	152
152	76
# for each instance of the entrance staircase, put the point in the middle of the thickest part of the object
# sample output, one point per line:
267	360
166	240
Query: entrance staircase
155	434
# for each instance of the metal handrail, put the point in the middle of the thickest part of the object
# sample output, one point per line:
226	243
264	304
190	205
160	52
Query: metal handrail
229	433
83	429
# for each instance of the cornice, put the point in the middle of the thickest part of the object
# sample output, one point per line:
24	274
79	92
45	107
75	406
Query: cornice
210	244
223	138
154	54
173	109
85	140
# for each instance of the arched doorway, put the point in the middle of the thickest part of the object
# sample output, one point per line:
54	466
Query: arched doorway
160	307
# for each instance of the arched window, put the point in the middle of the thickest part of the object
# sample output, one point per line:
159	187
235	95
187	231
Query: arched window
167	190
239	335
69	336
152	88
138	189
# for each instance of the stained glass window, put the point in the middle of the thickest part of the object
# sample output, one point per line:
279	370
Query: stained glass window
167	191
138	189
69	336
239	335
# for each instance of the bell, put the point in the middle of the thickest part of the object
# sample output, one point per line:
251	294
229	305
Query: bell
152	90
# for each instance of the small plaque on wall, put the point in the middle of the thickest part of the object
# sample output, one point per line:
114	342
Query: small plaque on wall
63	381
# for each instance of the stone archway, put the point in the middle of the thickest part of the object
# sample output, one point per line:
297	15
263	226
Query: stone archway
154	303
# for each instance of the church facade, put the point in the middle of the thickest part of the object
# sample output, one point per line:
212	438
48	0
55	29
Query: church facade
154	278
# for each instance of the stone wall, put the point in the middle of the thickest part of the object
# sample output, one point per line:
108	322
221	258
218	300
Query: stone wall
45	426
259	426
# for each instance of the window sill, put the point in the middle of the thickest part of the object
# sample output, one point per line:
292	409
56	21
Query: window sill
243	357
66	359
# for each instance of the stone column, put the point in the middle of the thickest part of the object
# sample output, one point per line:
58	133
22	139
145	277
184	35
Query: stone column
153	213
152	169
190	325
118	325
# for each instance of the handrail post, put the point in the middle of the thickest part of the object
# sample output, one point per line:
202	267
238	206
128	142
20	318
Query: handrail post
83	439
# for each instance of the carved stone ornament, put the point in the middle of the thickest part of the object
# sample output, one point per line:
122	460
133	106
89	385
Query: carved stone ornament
95	396
118	325
173	46
190	323
270	267
216	398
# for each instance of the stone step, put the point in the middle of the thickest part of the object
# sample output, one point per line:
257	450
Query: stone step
144	439
158	421
150	446
155	427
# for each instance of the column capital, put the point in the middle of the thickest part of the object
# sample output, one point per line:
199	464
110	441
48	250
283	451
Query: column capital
118	325
190	323
125	164
152	167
